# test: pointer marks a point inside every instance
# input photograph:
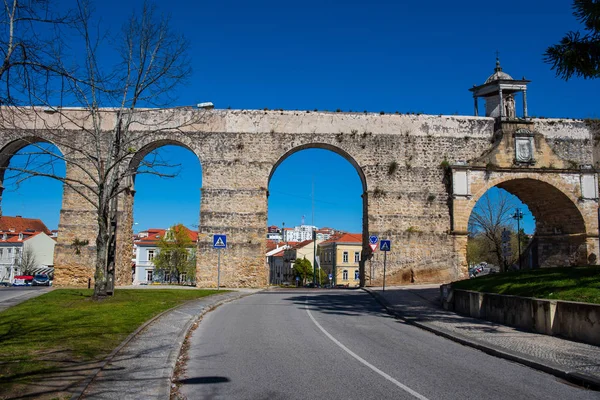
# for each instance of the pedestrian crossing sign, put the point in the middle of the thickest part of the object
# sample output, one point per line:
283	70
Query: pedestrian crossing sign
385	245
219	241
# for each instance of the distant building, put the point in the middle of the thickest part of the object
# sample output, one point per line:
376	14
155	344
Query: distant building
25	244
277	274
146	248
304	249
340	256
298	233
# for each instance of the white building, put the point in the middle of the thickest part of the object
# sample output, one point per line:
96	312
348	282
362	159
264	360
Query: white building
24	241
145	249
299	233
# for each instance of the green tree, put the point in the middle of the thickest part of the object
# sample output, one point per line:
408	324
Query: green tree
175	256
579	54
304	269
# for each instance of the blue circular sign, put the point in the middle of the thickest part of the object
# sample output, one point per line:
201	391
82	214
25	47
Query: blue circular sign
373	239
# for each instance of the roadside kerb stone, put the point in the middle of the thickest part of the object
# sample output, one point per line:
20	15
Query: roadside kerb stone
571	361
142	365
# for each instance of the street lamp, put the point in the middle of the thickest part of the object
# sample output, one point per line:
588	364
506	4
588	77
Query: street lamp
518	215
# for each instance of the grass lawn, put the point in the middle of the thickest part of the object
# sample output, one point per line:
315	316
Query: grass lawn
570	283
67	325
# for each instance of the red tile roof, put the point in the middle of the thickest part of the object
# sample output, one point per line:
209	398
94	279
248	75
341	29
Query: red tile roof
155	234
20	224
345	238
280	254
271	245
299	245
12	237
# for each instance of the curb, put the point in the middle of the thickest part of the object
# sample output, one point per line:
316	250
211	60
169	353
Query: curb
581	379
175	353
83	386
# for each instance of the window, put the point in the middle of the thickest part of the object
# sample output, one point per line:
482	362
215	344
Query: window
167	277
183	277
356	256
345	275
1	253
9	251
356	275
20	236
149	276
150	255
345	257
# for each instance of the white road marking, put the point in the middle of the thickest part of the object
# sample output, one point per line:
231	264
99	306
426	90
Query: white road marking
363	361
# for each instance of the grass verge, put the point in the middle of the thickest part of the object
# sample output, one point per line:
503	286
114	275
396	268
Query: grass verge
66	326
569	283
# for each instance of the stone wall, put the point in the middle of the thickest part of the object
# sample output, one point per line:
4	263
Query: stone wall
403	161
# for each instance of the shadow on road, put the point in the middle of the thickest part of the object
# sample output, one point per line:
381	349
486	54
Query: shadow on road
350	302
203	380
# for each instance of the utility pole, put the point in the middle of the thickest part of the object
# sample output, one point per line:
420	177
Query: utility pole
314	235
518	216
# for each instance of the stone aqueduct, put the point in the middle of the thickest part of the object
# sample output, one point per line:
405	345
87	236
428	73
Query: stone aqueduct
421	177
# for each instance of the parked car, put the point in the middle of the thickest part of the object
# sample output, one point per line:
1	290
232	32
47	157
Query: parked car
22	280
40	280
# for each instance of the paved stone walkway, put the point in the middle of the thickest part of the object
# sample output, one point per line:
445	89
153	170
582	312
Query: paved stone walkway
421	306
142	369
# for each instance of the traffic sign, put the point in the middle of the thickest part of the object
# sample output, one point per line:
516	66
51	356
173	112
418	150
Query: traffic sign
373	246
385	245
219	241
373	239
330	276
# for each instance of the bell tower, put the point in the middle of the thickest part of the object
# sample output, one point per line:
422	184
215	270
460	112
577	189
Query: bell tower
499	92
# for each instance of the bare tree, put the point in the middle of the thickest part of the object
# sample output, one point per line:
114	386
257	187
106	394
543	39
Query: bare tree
491	215
28	261
30	35
152	62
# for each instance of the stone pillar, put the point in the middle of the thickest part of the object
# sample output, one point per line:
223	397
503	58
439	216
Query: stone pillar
524	103
75	264
233	203
124	252
501	104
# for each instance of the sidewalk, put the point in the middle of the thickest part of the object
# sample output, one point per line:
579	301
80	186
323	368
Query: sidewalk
141	368
420	306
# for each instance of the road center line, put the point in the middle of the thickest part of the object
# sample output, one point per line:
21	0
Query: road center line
363	361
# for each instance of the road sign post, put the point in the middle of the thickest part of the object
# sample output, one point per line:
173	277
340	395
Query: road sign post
219	242
385	246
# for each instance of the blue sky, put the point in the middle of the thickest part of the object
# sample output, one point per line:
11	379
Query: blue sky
352	55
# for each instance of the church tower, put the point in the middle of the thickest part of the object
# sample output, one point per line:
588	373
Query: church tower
499	92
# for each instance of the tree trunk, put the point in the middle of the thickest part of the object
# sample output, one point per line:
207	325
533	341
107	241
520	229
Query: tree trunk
102	247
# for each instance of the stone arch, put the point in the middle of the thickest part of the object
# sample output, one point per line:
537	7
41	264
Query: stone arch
366	251
11	148
126	204
562	226
324	146
149	147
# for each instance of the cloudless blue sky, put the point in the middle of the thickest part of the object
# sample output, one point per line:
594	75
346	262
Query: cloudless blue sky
352	55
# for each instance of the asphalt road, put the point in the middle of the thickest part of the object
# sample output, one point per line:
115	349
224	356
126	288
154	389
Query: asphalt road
13	295
340	344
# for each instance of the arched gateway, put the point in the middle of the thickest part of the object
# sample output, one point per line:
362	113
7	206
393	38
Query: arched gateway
421	176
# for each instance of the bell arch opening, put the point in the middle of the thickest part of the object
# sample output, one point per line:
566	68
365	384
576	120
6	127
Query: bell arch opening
559	238
316	187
